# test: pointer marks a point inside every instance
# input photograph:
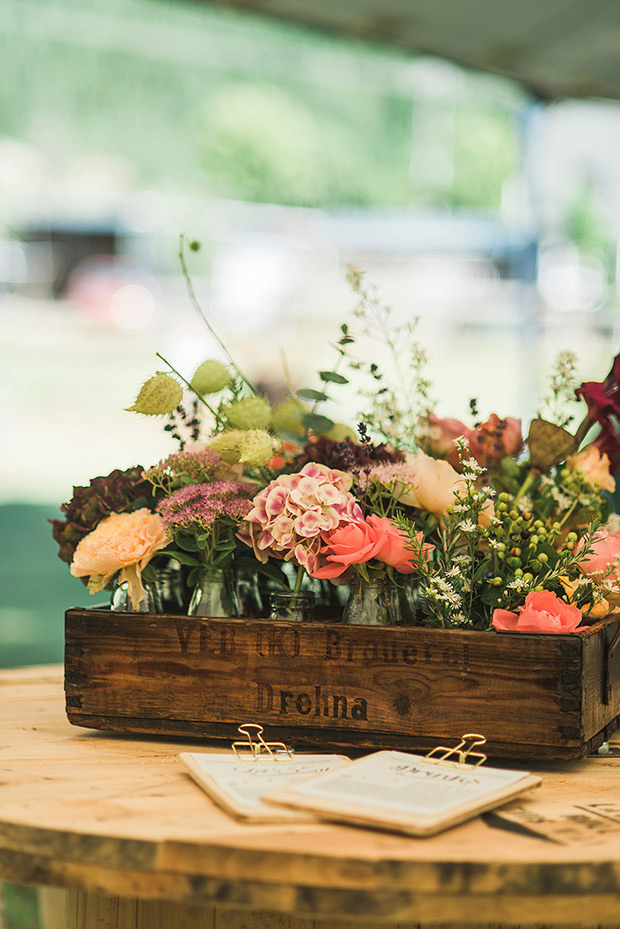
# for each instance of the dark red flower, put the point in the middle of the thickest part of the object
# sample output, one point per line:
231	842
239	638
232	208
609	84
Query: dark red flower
603	399
344	455
118	492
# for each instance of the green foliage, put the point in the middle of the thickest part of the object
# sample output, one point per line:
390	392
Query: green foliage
245	107
20	906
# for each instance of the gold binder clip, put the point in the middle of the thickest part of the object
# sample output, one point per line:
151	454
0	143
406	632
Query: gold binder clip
256	745
462	754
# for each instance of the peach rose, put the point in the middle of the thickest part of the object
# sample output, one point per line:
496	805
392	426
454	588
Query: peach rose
123	542
596	610
541	612
435	483
594	466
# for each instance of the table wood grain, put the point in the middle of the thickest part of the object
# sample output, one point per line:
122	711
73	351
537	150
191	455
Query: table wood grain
118	822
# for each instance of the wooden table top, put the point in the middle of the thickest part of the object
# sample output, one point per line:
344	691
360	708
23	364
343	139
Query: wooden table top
119	815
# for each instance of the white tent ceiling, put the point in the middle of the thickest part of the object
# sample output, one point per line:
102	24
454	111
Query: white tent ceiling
556	48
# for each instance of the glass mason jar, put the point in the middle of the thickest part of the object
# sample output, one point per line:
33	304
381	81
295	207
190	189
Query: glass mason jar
248	592
151	603
292	607
370	604
214	594
404	601
171	589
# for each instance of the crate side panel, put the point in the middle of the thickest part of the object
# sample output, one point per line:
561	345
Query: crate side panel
398	681
601	677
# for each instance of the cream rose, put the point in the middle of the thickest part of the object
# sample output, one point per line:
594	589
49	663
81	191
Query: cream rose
123	542
594	467
435	484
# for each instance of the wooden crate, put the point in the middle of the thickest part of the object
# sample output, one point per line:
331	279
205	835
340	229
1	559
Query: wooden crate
533	696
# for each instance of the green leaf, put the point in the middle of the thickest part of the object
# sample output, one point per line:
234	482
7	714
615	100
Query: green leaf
226	545
605	509
193	576
269	570
149	573
317	423
333	377
480	571
306	393
182	558
139	504
187	542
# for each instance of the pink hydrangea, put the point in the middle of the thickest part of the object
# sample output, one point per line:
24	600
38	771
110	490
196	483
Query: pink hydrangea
290	514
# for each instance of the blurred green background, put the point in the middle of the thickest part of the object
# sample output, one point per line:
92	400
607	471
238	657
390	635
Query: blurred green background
36	588
144	118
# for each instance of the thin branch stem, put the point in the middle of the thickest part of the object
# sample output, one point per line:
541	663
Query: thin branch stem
199	310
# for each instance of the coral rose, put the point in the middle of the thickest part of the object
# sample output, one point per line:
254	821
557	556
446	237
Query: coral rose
396	548
123	542
495	439
440	435
594	466
541	612
488	443
359	542
603	562
352	543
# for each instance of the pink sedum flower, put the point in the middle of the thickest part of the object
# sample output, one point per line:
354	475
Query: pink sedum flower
543	612
290	515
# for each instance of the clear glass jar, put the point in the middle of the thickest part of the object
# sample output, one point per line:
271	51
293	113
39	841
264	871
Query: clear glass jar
292	607
171	589
369	604
248	592
151	603
404	601
214	594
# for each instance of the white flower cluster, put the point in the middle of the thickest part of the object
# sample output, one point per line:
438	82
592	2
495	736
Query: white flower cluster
442	592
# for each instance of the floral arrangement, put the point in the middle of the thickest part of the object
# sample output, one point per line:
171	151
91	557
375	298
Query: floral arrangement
473	526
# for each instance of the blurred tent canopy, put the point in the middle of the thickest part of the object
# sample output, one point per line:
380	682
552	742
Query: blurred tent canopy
555	48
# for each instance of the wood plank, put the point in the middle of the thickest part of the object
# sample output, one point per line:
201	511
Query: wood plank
345	685
88	911
118	815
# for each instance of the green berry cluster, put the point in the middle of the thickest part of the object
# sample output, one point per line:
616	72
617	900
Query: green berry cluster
524	546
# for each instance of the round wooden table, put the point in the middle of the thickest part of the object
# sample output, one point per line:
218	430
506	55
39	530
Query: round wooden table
117	823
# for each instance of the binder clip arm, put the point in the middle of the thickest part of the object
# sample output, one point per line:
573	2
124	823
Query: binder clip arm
256	745
462	753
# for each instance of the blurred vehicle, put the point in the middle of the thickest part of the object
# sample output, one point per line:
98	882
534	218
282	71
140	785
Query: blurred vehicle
113	291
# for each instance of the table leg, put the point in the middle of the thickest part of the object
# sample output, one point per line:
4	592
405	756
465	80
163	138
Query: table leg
52	907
